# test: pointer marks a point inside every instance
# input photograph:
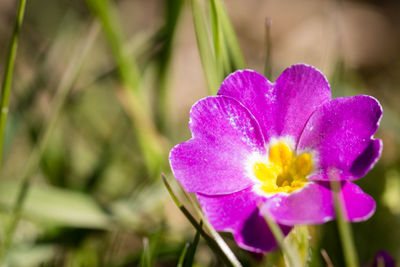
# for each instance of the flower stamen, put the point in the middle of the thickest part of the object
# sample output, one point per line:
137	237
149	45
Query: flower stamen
284	172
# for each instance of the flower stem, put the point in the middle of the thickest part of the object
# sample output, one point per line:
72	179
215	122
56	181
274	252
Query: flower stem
345	232
8	72
34	159
287	249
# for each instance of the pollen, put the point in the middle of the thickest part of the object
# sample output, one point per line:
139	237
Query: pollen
284	171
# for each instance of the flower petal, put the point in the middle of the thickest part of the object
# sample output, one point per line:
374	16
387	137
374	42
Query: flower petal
340	132
300	90
225	135
314	205
256	93
359	205
282	108
238	213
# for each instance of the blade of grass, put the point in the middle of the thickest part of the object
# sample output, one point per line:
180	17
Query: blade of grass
204	46
8	72
192	249
268	59
128	70
53	205
217	237
287	249
236	54
151	144
145	258
34	159
182	257
345	232
221	53
211	242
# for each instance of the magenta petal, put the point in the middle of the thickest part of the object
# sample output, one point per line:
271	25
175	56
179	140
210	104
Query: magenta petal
314	205
340	132
311	205
359	205
300	89
238	213
282	108
213	162
256	93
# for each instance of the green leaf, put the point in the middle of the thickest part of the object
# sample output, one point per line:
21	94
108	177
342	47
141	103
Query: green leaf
36	255
54	205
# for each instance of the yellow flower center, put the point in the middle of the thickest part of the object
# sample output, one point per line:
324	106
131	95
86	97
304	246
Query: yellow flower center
284	171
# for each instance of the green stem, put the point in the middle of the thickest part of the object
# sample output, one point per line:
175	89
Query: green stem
8	72
345	232
287	249
34	160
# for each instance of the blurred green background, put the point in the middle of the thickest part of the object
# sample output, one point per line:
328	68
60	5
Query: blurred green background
96	196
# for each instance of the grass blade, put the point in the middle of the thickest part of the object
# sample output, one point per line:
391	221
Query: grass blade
52	205
230	36
182	257
268	53
221	53
217	237
145	258
215	247
192	249
8	72
205	49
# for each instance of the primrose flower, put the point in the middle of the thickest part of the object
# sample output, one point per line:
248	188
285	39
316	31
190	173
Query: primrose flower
278	145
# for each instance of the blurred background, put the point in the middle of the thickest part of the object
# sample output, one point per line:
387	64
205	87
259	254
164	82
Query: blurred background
96	197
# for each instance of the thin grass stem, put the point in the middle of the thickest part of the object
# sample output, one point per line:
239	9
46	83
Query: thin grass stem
8	73
213	244
217	237
183	255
